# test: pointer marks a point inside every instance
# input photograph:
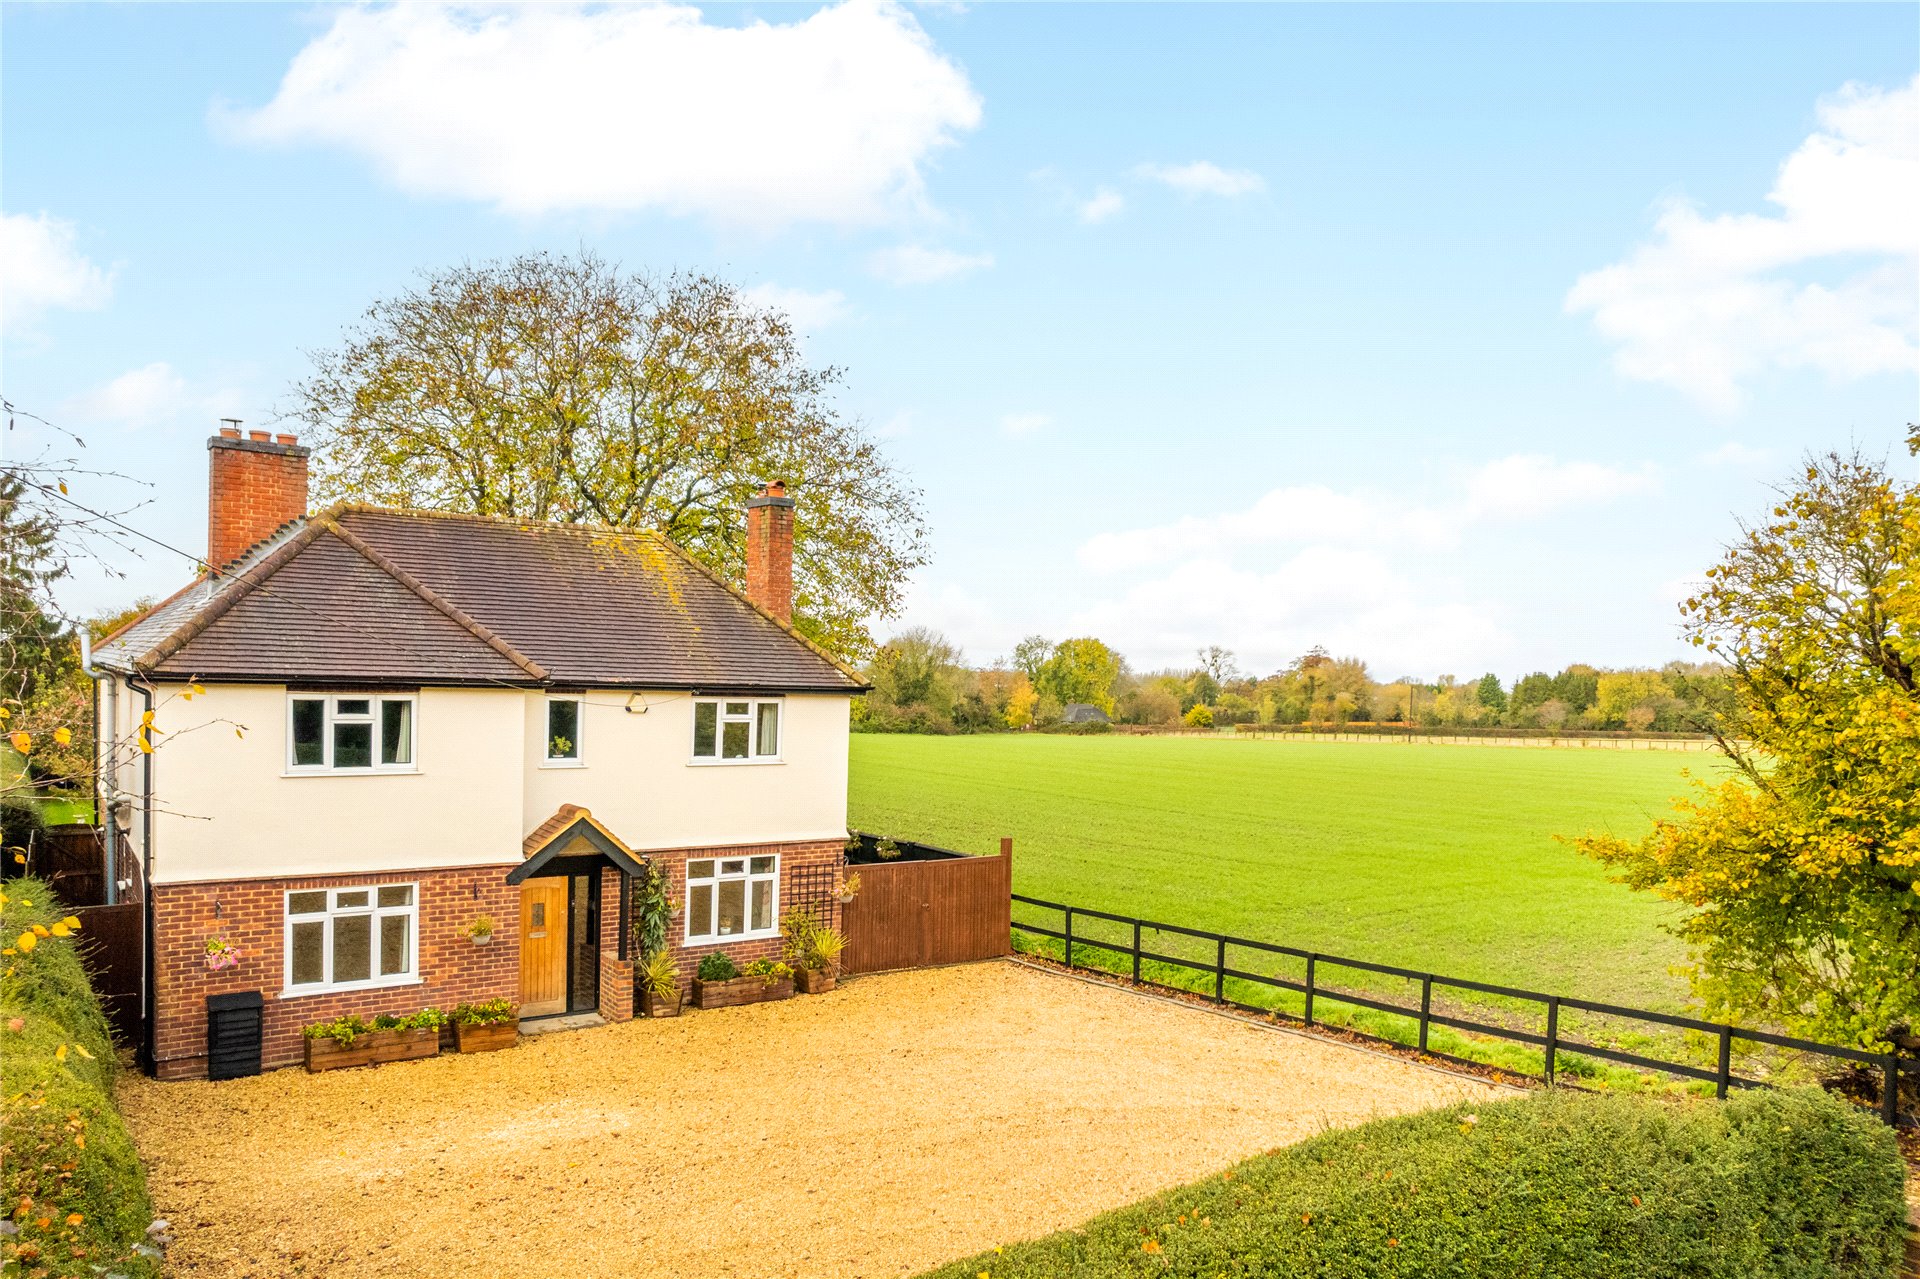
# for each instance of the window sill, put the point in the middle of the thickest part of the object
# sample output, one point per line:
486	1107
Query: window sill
730	939
302	992
350	772
735	763
563	763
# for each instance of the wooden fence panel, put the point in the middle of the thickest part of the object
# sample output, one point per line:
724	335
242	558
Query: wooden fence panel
113	944
913	913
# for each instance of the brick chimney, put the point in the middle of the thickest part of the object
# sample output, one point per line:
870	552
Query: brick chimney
770	551
253	487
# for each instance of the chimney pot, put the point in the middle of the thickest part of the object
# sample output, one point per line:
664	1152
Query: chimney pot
259	437
770	551
286	439
229	432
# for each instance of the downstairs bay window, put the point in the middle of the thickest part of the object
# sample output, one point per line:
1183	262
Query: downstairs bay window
350	938
732	898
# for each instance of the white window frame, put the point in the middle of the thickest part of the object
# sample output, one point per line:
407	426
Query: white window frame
329	716
334	911
720	876
579	757
722	719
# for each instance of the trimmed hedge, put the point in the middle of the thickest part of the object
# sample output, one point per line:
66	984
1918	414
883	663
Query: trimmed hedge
70	1179
1559	1185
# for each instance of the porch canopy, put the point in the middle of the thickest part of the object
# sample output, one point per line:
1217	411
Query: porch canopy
572	842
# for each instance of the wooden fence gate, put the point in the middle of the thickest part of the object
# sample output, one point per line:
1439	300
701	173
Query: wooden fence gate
909	914
112	943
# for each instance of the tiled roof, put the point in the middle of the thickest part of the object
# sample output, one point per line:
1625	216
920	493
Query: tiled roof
360	594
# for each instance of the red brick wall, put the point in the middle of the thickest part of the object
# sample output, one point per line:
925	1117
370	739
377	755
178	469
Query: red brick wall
792	858
253	487
252	915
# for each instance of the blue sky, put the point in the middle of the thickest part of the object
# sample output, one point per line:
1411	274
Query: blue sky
1453	338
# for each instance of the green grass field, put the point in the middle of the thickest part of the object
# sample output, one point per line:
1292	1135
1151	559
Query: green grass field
1434	857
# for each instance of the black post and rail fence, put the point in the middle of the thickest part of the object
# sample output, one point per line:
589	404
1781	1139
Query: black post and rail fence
1887	1066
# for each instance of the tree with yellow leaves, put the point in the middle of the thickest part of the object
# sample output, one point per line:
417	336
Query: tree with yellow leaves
1802	872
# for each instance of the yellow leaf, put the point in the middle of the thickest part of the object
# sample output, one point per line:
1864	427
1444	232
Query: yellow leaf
1151	1245
82	1050
40	930
26	942
64	736
5	714
80	1140
22	742
75	1218
60	1053
73	922
59	930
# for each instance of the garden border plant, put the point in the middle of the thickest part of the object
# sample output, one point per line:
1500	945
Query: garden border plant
720	983
1555	1183
69	1174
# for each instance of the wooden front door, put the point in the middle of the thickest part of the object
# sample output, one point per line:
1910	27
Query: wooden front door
543	947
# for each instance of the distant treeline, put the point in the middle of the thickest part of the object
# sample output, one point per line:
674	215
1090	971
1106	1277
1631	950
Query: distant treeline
923	684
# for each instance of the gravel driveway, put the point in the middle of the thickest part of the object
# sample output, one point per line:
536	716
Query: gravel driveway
903	1120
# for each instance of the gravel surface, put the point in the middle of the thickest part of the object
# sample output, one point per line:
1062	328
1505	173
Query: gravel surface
900	1121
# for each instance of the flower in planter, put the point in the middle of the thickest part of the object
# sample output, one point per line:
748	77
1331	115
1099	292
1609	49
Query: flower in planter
849	887
491	1012
480	931
221	954
768	971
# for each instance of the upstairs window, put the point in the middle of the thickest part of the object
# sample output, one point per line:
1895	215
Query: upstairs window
362	733
727	731
563	730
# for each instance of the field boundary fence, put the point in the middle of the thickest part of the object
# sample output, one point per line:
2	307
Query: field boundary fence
1314	989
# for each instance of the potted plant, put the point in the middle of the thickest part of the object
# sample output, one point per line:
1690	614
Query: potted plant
812	949
660	994
480	931
848	889
886	849
222	954
819	968
487	1026
408	1038
342	1042
720	983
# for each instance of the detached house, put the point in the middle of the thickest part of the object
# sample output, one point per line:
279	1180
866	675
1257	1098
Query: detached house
413	721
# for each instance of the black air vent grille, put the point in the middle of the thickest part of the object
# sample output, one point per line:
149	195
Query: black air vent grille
234	1030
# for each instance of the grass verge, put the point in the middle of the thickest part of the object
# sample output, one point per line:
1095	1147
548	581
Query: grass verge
1769	1184
71	1182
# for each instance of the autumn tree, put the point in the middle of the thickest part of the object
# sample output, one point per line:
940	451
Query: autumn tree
563	388
1801	874
1080	670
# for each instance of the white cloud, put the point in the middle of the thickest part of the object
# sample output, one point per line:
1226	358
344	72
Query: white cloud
1510	489
807	310
918	264
1202	177
1103	204
41	268
1018	424
138	397
1710	302
534	108
1351	600
151	395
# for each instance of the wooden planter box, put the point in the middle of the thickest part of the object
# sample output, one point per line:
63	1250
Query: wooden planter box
651	1006
739	990
814	981
405	1045
486	1039
330	1054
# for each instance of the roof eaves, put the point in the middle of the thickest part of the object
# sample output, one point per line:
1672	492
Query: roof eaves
435	599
